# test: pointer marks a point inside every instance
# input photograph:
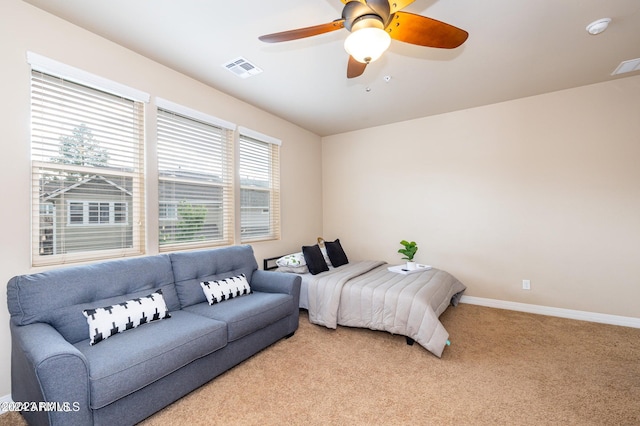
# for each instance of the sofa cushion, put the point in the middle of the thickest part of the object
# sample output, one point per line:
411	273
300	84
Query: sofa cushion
129	361
247	314
226	289
107	321
190	268
58	296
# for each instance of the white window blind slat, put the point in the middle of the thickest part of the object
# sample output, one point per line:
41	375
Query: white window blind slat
87	182
195	197
58	69
184	111
259	172
259	136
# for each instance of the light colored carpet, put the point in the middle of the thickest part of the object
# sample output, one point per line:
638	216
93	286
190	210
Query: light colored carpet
502	368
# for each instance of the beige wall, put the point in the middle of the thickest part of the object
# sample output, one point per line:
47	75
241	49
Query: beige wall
24	28
545	188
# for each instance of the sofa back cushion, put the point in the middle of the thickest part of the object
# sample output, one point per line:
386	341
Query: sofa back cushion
59	296
190	268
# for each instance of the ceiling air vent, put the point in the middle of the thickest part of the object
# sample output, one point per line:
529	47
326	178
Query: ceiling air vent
242	68
627	66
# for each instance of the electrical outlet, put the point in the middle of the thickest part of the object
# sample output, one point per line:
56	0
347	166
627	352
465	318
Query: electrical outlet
526	284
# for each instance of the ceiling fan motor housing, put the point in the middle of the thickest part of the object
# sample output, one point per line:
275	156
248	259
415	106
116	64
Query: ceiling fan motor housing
355	11
371	33
367	21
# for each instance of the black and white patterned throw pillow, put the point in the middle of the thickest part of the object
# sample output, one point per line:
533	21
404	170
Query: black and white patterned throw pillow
225	289
110	320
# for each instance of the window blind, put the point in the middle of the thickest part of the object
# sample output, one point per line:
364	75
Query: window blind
195	166
87	181
259	172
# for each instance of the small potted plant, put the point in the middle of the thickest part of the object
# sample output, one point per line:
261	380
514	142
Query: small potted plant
409	250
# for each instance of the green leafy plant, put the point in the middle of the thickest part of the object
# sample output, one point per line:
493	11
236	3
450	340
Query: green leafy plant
192	217
409	250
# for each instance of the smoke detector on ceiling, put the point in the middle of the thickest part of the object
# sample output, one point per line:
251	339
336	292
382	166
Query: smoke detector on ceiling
596	27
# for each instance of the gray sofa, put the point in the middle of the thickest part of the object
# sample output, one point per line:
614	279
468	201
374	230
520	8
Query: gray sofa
133	374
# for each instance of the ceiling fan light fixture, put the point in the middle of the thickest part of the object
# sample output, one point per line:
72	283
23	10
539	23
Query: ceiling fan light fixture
367	42
367	20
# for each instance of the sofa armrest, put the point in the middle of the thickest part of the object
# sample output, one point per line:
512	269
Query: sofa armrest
277	282
47	368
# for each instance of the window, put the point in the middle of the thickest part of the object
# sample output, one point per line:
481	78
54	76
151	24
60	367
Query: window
168	210
98	213
195	168
94	213
88	189
120	213
86	166
259	170
76	213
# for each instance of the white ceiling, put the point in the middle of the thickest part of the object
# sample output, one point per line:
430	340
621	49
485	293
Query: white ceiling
516	48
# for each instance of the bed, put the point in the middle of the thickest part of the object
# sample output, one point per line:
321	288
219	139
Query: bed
367	294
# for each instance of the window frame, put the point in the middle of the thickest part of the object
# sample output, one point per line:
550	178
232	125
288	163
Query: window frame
166	111
45	73
261	166
49	213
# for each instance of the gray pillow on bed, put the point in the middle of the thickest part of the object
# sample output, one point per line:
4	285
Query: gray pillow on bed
314	258
336	253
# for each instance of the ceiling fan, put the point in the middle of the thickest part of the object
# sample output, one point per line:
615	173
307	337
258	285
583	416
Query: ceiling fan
373	23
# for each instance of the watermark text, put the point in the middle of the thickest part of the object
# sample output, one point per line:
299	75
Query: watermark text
40	406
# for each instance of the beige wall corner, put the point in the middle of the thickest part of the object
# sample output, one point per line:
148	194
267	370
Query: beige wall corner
545	188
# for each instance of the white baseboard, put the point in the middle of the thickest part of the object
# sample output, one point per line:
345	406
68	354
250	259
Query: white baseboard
4	400
554	312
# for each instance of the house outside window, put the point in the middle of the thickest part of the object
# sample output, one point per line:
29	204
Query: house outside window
195	187
259	173
46	227
87	182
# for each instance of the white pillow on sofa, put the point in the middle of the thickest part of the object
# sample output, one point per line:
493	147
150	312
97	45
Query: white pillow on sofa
110	320
225	289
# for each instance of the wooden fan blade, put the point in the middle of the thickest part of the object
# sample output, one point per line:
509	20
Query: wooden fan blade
423	31
303	32
355	68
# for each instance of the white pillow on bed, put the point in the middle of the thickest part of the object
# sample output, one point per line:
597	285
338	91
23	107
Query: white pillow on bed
292	263
294	260
295	270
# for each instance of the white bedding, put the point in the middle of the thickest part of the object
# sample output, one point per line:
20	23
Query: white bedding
304	288
365	294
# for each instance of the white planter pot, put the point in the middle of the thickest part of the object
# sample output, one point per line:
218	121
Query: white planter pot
411	266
